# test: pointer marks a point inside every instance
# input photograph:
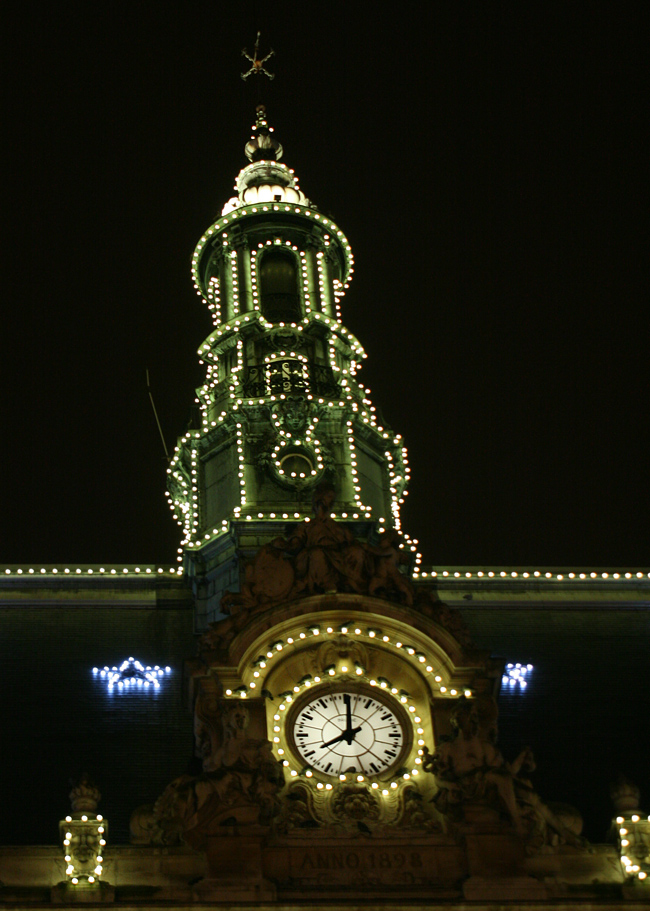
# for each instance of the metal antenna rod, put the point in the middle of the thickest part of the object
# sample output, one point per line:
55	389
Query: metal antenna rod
155	414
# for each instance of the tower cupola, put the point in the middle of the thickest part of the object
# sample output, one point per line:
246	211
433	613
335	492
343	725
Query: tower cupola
282	408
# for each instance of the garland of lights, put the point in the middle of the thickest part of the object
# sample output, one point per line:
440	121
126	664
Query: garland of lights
451	575
131	676
418	658
303	685
634	839
74	876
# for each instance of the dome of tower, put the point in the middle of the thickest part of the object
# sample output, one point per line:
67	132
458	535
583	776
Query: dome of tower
266	179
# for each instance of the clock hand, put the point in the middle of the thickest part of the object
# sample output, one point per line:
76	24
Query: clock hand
348	710
334	740
347	735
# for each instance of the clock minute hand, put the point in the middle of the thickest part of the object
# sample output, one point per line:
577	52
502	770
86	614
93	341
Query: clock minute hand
348	712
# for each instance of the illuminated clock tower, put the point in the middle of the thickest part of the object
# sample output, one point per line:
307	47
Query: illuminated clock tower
344	722
282	408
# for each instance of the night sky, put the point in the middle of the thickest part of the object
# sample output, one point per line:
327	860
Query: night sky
486	161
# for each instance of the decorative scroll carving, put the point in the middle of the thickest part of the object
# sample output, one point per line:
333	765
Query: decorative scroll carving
353	807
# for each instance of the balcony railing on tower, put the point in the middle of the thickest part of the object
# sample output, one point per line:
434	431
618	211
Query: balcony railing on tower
289	377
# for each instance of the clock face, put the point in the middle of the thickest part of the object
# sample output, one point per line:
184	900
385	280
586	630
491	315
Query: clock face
348	731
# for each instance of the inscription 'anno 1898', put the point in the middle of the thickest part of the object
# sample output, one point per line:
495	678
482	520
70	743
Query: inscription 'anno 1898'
360	860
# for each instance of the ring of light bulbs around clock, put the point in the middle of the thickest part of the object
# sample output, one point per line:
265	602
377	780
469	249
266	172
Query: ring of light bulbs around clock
259	670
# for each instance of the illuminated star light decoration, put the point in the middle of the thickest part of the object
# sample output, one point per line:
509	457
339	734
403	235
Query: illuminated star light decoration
515	675
132	676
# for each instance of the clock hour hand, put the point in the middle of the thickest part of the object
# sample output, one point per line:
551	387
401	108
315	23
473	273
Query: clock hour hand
347	735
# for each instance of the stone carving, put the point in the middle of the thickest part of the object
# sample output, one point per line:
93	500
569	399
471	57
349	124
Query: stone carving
342	648
625	795
241	778
473	779
387	579
355	802
268	578
326	556
353	807
294	413
83	834
84	796
322	556
145	828
427	602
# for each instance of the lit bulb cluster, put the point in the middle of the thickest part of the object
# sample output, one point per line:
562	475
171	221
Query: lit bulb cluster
542	575
77	572
332	675
213	299
634	845
131	676
241	465
515	676
239	215
85	832
411	653
234	281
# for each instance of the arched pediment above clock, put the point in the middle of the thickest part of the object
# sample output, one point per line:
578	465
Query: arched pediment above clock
246	650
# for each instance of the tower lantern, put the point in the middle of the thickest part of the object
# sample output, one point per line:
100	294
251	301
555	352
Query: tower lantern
282	409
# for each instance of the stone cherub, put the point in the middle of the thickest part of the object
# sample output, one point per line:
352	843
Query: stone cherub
469	769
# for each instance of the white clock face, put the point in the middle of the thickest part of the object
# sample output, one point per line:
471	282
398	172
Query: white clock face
347	731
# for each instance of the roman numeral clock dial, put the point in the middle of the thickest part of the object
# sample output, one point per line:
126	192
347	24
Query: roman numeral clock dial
348	731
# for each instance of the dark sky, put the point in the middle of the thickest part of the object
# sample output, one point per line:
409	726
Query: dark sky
487	162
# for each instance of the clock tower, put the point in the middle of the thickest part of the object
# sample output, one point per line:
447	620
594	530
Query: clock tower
318	662
345	725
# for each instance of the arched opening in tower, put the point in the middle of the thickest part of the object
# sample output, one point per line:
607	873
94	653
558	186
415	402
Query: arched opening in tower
280	297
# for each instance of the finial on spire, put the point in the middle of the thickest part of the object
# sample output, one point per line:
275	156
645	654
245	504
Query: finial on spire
262	146
257	67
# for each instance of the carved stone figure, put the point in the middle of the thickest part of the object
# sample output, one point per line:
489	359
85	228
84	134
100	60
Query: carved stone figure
268	578
471	772
388	558
323	556
327	557
241	778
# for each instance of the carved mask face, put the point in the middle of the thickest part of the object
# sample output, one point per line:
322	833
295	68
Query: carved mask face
238	718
